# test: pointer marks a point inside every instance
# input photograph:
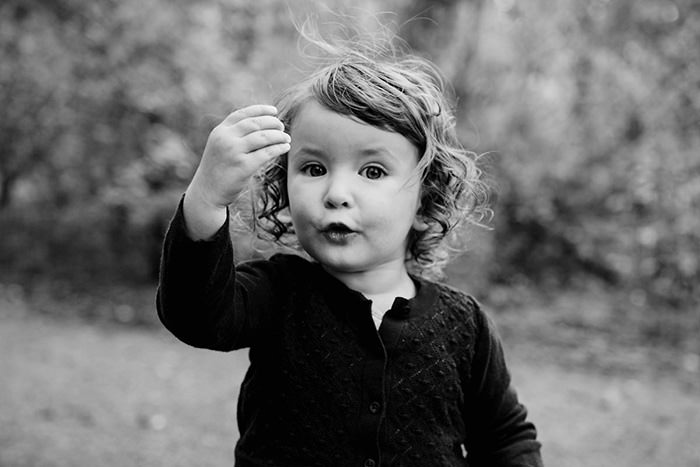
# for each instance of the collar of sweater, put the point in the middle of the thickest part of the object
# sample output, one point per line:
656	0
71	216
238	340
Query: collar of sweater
346	300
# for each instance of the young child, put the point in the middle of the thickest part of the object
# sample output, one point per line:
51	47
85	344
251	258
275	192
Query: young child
356	358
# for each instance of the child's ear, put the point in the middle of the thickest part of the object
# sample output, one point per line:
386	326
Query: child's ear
419	224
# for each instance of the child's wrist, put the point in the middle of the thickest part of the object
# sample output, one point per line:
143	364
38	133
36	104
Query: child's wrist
203	218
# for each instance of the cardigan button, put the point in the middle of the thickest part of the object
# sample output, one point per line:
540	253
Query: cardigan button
370	462
375	407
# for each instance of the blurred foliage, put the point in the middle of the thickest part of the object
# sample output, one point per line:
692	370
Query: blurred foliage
588	112
102	104
592	110
600	125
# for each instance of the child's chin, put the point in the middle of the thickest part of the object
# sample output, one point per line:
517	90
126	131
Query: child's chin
340	265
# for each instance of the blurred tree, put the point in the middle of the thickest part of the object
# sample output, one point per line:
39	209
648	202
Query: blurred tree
592	109
101	104
33	114
597	122
447	32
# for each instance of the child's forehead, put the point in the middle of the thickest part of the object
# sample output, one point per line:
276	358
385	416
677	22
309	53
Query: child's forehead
321	132
316	122
313	110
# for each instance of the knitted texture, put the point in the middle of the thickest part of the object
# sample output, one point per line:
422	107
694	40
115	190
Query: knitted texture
425	384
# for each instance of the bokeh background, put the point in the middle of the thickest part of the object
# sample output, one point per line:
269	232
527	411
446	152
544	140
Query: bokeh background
587	116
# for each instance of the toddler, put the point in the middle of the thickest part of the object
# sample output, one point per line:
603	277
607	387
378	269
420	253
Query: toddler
357	357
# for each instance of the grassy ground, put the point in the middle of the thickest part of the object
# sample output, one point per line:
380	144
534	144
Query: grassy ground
89	393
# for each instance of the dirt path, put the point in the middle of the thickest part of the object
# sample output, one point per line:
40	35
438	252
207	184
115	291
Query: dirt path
77	394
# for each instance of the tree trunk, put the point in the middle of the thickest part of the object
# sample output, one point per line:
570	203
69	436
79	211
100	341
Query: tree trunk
446	31
7	181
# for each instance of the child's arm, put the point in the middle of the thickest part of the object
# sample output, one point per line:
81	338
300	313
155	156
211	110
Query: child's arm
202	298
499	433
236	148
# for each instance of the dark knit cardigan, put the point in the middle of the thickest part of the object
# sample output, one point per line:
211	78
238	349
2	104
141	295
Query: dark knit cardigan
324	387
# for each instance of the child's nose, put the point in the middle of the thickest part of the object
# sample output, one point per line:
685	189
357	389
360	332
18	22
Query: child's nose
338	192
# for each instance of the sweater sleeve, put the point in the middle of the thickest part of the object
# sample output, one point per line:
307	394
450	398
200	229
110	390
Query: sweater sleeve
498	431
203	299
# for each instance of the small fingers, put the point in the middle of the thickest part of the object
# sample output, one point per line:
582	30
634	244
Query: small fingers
264	138
248	112
253	124
269	152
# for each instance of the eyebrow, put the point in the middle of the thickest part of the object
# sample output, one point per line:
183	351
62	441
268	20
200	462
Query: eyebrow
309	151
373	151
378	151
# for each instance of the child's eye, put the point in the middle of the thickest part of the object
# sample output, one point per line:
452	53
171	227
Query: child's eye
373	172
313	170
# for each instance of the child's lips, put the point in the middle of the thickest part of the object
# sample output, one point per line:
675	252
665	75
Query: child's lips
336	227
338	232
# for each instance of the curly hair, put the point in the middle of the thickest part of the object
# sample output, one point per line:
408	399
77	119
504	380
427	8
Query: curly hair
375	83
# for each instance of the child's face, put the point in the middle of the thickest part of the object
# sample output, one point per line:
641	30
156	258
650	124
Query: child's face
353	191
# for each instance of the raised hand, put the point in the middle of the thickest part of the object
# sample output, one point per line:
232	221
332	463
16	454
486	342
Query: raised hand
237	147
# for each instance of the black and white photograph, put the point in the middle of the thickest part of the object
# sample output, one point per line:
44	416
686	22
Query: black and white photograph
322	233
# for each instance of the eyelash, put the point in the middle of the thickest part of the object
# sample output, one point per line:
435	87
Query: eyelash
306	169
364	172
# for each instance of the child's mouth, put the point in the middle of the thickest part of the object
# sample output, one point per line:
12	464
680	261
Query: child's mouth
338	233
